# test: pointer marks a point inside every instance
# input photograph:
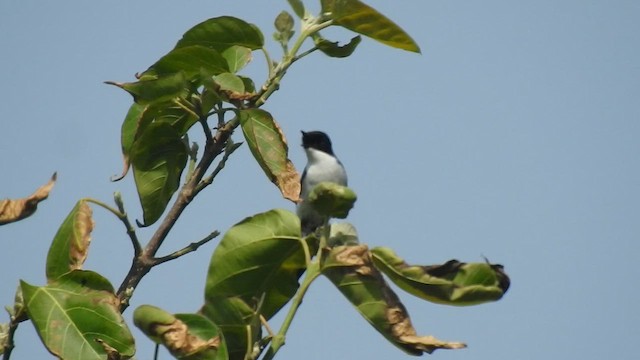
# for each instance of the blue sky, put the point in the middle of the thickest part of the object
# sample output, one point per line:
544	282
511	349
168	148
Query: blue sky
513	136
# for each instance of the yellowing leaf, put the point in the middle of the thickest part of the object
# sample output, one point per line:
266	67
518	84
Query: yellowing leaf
70	246
363	19
14	210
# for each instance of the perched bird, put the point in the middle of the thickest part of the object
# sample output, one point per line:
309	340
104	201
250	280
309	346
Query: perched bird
322	165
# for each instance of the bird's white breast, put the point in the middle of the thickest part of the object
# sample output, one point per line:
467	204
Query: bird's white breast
322	167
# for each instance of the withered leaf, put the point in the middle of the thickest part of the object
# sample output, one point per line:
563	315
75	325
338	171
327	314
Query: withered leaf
269	147
351	269
15	210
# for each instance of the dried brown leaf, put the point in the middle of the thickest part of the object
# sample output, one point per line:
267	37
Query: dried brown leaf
180	342
15	210
288	182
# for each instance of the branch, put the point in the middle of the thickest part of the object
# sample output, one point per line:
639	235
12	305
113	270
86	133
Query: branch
187	249
143	263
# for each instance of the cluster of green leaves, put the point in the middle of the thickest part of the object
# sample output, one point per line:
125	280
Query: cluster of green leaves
256	269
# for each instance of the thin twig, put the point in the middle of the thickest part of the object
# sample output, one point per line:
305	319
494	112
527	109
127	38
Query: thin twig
131	231
122	215
231	147
187	249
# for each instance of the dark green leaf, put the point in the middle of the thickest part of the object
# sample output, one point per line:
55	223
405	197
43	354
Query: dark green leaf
453	283
261	255
127	135
74	312
363	19
221	33
186	336
237	57
298	7
254	270
191	60
333	49
249	85
70	246
139	118
158	157
350	269
269	148
163	88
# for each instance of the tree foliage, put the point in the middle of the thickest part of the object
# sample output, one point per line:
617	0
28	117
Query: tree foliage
263	263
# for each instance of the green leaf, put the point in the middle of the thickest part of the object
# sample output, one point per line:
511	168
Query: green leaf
140	116
262	254
237	57
162	88
70	245
249	85
269	147
191	60
284	28
350	269
284	22
332	200
298	7
221	33
186	336
254	271
333	49
229	82
74	312
363	19
238	321
158	157
127	135
453	283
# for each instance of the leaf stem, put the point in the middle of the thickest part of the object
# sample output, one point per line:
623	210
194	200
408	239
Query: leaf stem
313	271
9	343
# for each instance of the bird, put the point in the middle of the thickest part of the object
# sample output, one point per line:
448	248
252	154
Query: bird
322	166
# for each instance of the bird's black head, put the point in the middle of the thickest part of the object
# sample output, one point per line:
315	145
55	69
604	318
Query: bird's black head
317	140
